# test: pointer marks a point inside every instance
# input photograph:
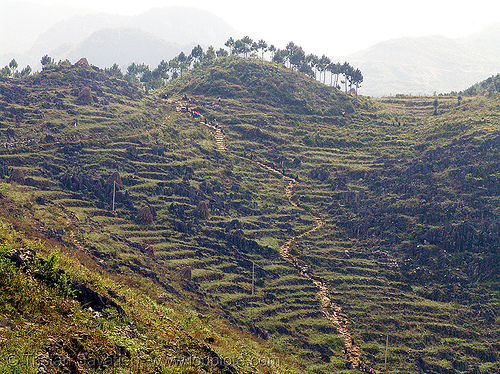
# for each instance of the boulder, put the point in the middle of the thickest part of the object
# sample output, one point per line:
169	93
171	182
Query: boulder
82	63
10	134
17	175
202	211
184	273
144	216
85	96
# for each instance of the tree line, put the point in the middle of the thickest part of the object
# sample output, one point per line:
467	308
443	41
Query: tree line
292	57
10	70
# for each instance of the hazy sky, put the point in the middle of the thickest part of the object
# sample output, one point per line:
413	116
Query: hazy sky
333	27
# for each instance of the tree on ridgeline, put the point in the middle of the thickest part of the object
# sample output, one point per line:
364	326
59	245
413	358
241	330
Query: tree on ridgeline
230	44
280	57
346	70
272	49
174	66
222	52
210	54
357	79
13	66
289	50
159	76
197	54
297	57
139	74
254	47
247	45
307	70
25	72
313	60
184	62
115	71
47	62
238	48
323	63
5	72
262	46
335	69
64	63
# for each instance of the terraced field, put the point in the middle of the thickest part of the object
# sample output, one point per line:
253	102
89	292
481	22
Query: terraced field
363	199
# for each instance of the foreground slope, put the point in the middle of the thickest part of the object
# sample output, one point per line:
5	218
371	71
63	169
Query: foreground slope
407	201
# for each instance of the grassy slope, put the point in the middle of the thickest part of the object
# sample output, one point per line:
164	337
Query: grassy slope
362	172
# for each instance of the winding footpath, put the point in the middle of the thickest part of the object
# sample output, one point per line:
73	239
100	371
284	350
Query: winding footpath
330	310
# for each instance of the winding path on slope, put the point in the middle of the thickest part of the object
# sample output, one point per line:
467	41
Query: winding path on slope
331	311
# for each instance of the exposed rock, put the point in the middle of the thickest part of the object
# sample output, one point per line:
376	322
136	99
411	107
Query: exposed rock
10	135
202	211
82	63
89	298
23	257
144	216
7	324
184	273
132	151
17	175
85	96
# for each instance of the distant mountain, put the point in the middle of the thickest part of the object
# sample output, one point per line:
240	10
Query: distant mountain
21	23
158	34
486	42
122	46
427	64
181	26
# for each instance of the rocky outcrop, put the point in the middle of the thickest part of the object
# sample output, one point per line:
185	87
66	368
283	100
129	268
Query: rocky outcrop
85	96
17	175
202	211
82	63
144	216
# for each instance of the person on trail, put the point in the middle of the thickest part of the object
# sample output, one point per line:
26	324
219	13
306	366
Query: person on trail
220	101
304	270
185	97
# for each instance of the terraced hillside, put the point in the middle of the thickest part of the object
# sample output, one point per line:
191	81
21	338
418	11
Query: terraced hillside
405	258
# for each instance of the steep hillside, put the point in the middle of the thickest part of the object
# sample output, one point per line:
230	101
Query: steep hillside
327	230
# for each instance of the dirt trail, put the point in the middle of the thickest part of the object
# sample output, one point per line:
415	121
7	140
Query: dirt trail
217	131
331	311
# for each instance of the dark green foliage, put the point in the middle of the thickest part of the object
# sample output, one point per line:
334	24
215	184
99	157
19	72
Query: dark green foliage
491	84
